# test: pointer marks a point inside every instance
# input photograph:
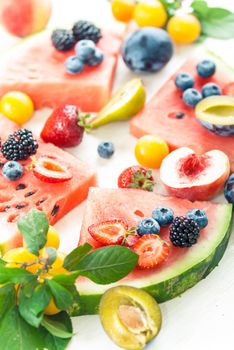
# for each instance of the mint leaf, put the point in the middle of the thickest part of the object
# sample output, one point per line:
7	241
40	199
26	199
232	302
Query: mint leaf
62	297
15	275
200	8
66	279
72	259
56	328
7	298
107	265
34	227
31	307
2	262
219	23
52	255
76	308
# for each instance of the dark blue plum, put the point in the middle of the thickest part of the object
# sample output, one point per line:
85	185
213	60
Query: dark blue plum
147	50
184	81
148	226
199	216
206	68
164	216
229	189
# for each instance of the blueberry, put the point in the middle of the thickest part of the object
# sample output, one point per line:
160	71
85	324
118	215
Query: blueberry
184	81
206	68
211	89
12	170
96	59
164	216
229	189
199	216
106	149
147	50
147	226
85	49
74	65
191	97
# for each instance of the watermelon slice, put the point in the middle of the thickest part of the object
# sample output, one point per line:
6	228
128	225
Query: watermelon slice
184	266
159	116
55	199
37	68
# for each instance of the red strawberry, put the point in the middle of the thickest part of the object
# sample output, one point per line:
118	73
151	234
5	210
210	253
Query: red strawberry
131	240
136	177
152	251
49	170
109	232
62	128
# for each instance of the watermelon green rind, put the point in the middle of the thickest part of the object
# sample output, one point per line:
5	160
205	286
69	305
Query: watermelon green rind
183	275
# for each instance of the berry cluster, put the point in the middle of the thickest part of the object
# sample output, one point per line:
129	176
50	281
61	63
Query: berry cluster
185	82
64	39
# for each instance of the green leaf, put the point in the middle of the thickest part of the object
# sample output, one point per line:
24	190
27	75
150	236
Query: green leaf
7	298
15	275
72	259
219	23
62	297
16	334
66	279
200	8
2	262
107	265
34	227
52	254
31	307
76	308
56	328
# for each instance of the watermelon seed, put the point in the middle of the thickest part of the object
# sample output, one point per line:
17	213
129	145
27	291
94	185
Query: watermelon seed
20	187
1	165
42	200
21	205
30	193
4	209
13	218
139	213
176	115
55	210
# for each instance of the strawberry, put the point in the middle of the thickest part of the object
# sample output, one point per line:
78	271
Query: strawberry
152	251
50	170
109	232
62	128
136	177
131	240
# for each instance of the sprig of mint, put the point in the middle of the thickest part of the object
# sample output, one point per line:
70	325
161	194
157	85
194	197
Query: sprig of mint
24	295
216	22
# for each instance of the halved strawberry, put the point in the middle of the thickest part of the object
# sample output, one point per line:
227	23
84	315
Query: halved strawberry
109	232
131	240
50	170
152	251
136	177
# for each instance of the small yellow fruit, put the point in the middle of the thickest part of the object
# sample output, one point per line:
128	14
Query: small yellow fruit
150	13
150	150
123	9
18	256
184	29
17	106
52	239
51	308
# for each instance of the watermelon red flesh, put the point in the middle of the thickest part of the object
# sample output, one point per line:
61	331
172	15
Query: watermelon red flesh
56	199
159	117
125	204
37	68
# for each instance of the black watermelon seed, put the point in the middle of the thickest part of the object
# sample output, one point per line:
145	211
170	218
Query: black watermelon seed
40	201
20	187
21	205
29	194
180	115
55	210
6	208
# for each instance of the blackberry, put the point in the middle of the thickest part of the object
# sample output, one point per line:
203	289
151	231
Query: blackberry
184	232
86	30
63	39
19	146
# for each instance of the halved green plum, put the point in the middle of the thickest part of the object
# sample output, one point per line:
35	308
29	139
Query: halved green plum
216	113
130	316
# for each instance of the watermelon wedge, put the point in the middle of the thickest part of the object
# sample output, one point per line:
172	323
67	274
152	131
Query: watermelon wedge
159	115
55	199
35	67
184	266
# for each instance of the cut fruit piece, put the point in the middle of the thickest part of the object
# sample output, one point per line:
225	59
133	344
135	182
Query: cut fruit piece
194	177
50	170
55	199
183	267
167	116
126	103
216	113
130	316
109	232
36	68
229	89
